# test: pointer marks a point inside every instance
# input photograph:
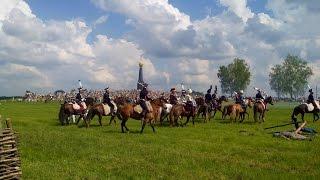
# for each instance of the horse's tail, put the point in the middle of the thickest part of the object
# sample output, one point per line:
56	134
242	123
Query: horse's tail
293	117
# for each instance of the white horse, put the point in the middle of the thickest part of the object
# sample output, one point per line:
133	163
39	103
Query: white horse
165	112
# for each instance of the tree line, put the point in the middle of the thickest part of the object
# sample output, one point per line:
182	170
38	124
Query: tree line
290	78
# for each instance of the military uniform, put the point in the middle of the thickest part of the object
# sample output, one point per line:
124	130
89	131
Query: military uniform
107	99
173	97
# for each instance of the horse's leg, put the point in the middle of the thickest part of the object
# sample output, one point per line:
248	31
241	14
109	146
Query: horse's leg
152	126
100	119
125	126
188	118
122	125
143	125
112	119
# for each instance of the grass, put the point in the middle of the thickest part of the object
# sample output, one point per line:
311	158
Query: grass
215	150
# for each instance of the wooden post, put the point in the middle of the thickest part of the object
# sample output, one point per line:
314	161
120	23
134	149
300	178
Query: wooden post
0	122
9	123
299	129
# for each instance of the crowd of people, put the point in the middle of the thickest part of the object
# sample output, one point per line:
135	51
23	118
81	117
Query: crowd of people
136	95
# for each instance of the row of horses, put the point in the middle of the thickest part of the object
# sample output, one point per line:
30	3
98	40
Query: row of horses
162	110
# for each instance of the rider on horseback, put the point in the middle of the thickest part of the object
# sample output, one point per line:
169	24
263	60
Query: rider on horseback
79	98
208	98
107	99
312	101
143	98
240	100
260	98
173	96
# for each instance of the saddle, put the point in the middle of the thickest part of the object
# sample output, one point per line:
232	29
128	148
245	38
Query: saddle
261	102
310	106
138	109
107	109
77	107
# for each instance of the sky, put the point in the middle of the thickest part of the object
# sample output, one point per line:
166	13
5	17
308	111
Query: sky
47	45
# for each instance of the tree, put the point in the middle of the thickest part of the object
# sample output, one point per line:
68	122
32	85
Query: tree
291	77
235	76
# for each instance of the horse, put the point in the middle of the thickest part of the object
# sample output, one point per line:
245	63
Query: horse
217	105
181	110
100	110
236	110
203	108
127	111
259	107
67	110
165	112
302	109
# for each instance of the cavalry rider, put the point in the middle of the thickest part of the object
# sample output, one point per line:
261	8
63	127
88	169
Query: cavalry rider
173	96
260	98
208	98
143	98
79	98
312	101
107	99
187	98
240	99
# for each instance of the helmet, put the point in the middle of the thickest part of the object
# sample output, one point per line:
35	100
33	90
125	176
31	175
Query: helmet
172	89
189	91
310	90
106	89
241	91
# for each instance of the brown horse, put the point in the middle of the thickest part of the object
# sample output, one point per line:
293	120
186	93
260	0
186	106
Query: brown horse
66	111
180	110
260	108
236	111
98	110
127	111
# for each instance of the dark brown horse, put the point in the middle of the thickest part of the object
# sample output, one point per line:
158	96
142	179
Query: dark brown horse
302	109
66	111
126	112
98	110
203	108
260	108
217	105
180	110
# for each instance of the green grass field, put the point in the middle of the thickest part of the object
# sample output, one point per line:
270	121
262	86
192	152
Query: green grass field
215	150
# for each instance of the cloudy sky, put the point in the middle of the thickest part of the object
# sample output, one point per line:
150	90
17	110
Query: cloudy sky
49	44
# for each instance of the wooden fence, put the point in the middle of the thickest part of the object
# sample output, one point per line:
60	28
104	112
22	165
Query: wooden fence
10	164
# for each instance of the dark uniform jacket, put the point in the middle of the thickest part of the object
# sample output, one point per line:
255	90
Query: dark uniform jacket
208	98
310	98
78	97
259	96
106	98
173	99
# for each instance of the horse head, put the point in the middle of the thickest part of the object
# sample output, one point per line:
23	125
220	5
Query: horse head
269	100
223	98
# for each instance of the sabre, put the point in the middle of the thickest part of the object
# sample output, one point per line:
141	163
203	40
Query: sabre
282	125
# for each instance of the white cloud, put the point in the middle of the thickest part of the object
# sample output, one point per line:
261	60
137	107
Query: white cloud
100	20
239	7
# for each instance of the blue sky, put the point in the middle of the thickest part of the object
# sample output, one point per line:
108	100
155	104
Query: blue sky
116	27
52	43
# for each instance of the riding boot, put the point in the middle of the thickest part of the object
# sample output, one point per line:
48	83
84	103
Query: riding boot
144	112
